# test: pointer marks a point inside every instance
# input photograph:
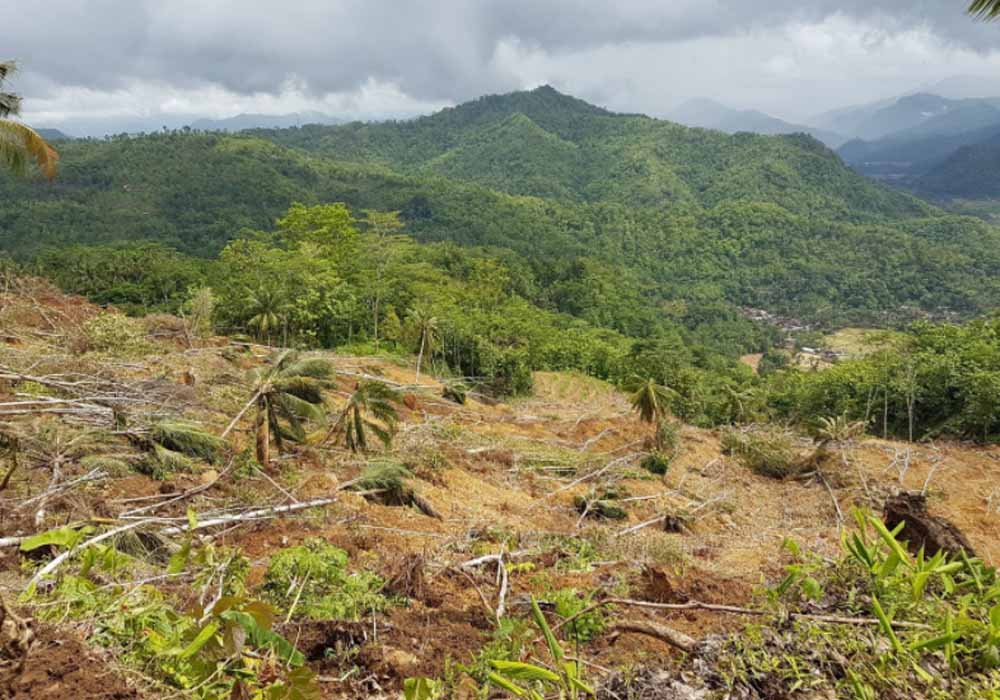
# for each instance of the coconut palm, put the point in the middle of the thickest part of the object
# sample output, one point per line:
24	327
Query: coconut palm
429	332
988	10
287	392
267	307
371	408
652	402
19	143
649	399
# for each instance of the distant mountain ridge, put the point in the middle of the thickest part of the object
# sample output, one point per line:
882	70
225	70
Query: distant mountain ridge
709	114
242	122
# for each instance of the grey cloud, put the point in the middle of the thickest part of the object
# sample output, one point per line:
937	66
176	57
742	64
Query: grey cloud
432	50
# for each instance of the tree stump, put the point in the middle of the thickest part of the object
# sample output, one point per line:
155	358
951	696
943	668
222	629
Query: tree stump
922	529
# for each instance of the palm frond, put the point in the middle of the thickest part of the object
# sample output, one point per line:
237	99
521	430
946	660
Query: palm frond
304	388
383	475
20	143
299	408
314	368
986	10
111	465
186	438
166	461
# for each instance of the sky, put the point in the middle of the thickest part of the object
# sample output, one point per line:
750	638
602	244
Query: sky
88	65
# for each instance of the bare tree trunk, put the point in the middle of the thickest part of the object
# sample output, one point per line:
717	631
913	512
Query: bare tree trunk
420	356
263	438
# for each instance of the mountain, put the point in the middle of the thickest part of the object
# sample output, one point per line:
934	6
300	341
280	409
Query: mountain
53	135
910	154
242	122
709	114
918	114
610	217
971	172
545	144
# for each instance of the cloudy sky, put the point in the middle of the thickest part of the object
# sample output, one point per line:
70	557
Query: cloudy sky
96	62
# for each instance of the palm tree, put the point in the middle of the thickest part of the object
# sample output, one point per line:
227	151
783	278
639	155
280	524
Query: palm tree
429	332
988	10
372	407
652	402
267	307
649	399
20	143
287	392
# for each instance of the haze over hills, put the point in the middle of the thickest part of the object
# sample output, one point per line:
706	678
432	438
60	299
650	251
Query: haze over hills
709	114
241	122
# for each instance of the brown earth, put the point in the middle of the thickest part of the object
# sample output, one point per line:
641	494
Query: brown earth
503	478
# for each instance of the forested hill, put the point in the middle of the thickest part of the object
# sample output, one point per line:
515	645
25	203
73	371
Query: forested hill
546	144
627	216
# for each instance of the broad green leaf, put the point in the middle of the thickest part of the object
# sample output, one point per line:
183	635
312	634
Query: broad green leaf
199	642
65	537
550	639
499	681
525	672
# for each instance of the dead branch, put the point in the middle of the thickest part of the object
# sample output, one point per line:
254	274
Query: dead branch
735	610
676	639
180	497
594	474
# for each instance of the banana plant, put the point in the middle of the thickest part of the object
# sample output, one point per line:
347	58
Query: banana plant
521	679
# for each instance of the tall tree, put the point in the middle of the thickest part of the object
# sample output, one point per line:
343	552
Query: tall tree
381	228
428	331
269	307
19	143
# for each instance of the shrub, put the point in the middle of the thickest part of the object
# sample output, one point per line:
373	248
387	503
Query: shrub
668	437
768	452
314	579
657	463
114	333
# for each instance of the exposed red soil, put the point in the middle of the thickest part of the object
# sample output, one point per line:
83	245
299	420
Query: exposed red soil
62	667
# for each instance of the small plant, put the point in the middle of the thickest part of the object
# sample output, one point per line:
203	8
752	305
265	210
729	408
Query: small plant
313	580
599	507
935	623
421	689
456	391
581	628
668	438
563	679
657	463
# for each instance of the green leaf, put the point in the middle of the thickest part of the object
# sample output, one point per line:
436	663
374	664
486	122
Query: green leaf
886	624
501	682
419	689
198	643
890	539
179	560
66	537
525	672
550	638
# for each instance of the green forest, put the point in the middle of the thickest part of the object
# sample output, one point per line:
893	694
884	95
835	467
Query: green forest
534	232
